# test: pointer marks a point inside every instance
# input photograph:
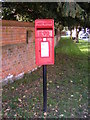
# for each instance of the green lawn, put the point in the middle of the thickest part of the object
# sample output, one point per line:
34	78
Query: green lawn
67	86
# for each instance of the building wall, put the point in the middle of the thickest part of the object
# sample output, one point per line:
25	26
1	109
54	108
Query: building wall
18	49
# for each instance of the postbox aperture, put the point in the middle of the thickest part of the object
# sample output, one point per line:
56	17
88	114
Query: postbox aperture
44	41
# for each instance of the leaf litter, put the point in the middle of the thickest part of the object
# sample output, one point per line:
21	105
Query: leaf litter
67	94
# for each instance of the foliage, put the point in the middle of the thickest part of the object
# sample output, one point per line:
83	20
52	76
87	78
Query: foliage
65	13
85	14
28	11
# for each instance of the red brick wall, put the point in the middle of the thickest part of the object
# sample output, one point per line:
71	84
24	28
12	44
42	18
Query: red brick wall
18	56
14	32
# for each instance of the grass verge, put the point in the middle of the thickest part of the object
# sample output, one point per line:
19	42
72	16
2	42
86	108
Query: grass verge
67	87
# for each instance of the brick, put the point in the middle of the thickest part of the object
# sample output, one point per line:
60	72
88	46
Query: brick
17	55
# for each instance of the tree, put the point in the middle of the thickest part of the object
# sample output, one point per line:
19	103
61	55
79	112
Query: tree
64	13
31	11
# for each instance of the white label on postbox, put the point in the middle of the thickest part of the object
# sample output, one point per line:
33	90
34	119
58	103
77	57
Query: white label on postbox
44	49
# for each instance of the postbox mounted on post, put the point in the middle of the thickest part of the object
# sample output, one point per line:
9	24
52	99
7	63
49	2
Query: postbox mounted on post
44	41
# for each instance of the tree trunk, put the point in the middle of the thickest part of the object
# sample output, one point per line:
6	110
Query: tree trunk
77	33
71	34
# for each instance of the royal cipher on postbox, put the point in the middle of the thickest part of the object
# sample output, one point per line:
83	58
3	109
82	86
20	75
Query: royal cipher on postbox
44	41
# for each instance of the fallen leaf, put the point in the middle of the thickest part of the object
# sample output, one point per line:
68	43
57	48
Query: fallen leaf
12	87
24	96
57	86
19	100
45	113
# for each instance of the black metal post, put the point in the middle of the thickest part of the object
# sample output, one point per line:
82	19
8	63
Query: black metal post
44	88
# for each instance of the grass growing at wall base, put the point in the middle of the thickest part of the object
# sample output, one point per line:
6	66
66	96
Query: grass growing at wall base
67	87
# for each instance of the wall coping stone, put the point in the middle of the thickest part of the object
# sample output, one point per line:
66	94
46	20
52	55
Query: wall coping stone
17	23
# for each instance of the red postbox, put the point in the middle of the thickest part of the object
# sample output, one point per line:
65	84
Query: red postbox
44	41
